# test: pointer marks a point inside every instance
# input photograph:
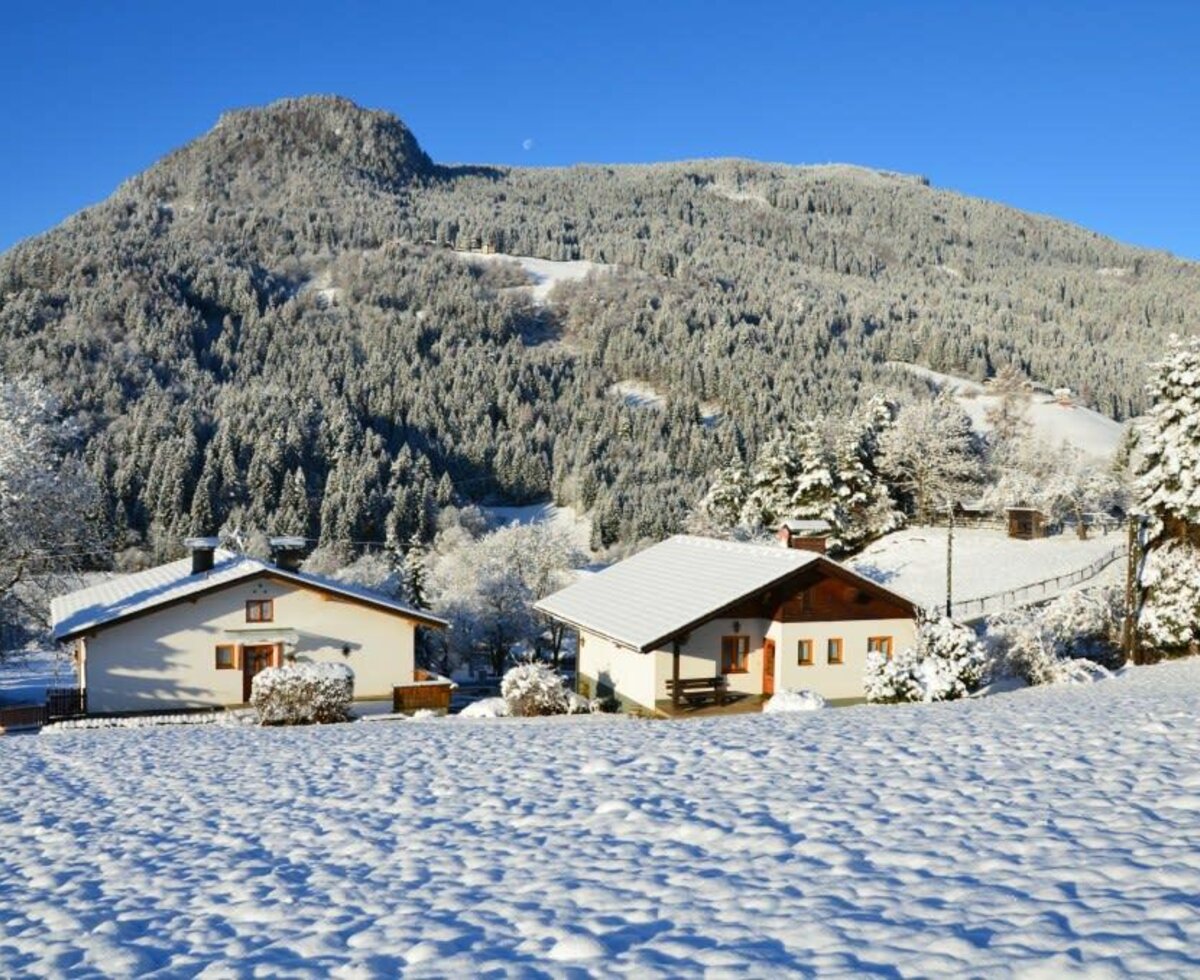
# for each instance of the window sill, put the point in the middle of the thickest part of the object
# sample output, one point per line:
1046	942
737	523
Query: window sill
806	663
742	671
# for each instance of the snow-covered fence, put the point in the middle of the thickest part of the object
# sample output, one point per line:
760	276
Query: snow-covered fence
1034	592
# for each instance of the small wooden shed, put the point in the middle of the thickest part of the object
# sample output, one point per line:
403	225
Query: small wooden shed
1026	523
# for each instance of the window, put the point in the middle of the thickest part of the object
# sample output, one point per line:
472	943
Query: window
804	653
260	610
735	654
226	659
880	644
833	650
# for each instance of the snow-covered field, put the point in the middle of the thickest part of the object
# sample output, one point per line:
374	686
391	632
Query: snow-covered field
544	274
24	678
1052	832
1090	432
913	561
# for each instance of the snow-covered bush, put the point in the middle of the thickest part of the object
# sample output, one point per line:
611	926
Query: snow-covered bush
1034	644
303	694
789	701
534	689
947	663
486	708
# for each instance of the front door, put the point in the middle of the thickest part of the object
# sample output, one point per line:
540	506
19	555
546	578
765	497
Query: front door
768	666
254	659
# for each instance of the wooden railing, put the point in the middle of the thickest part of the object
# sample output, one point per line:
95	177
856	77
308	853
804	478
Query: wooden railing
65	702
22	716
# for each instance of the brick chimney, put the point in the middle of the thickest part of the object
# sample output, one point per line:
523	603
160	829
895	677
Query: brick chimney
202	550
804	535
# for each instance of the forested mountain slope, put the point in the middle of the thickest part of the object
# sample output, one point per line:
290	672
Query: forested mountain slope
265	328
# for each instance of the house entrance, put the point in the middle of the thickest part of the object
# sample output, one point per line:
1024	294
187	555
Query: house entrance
254	659
768	685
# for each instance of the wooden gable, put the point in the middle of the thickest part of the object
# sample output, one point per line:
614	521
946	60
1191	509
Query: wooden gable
820	594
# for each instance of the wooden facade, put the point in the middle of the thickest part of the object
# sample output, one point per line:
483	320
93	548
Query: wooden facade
1026	523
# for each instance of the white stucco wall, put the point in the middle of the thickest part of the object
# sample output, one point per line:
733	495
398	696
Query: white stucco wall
166	659
834	681
700	655
630	674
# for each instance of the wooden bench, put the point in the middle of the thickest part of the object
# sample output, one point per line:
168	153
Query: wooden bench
697	690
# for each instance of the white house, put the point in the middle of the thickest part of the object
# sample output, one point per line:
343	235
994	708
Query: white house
193	633
753	618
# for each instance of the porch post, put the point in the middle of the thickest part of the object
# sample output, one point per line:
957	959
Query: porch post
675	675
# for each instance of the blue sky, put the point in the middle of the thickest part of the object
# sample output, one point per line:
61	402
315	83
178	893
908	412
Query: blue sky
1086	111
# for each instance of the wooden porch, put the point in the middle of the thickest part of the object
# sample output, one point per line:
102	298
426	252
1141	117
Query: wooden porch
736	704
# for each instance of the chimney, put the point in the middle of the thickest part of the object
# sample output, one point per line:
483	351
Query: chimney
288	552
202	553
804	535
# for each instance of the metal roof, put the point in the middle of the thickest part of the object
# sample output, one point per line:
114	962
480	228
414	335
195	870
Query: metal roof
117	598
645	600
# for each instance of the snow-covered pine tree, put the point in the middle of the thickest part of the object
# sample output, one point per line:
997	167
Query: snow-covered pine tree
1168	488
726	498
772	483
813	495
864	505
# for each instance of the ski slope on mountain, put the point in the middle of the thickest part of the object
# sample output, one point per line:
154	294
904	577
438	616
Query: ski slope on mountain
1088	431
1051	832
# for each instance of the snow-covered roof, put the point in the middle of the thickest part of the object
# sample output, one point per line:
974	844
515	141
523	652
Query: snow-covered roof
117	598
661	592
797	526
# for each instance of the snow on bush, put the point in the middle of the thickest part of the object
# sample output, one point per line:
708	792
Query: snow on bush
534	689
947	663
787	702
303	694
1037	645
1080	672
1170	618
486	708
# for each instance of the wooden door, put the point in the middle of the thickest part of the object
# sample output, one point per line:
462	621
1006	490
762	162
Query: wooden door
254	659
768	683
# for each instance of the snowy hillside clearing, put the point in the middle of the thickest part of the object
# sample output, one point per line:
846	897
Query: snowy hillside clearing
913	561
642	394
567	519
1010	835
1090	432
544	274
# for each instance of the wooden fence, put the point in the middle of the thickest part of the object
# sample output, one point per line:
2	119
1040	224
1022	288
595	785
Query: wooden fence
22	716
65	702
1034	592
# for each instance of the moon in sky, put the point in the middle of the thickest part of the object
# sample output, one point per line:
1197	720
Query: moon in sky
527	143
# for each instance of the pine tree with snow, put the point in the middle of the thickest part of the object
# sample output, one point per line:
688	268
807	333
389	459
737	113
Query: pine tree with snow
1169	473
1168	487
864	506
813	495
722	506
772	484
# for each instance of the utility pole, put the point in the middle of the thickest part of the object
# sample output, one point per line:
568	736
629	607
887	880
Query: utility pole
1129	638
950	564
